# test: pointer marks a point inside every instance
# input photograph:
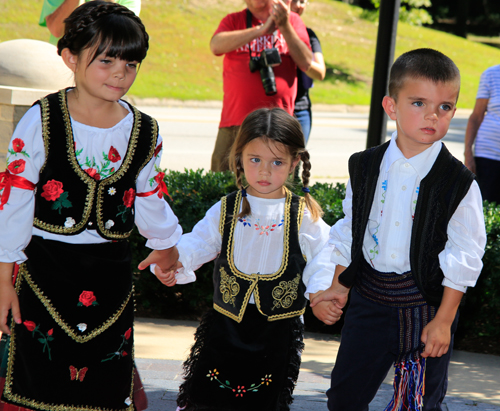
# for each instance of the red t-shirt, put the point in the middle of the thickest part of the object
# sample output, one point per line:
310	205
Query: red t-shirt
243	90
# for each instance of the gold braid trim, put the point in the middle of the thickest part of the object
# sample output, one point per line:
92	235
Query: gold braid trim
222	219
23	273
70	147
45	114
134	137
286	249
32	404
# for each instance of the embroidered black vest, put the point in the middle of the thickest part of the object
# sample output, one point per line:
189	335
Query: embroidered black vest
277	296
67	199
440	193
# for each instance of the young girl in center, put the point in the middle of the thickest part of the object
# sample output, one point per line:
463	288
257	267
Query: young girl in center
81	170
247	350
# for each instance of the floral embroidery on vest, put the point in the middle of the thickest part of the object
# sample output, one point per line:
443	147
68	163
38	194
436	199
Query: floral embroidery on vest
53	191
125	209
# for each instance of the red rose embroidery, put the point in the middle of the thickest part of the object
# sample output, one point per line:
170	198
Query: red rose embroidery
30	325
129	197
50	332
52	190
92	172
158	149
17	166
127	333
159	177
124	353
17	145
87	298
113	155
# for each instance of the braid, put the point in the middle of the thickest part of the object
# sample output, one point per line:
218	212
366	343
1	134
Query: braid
245	207
81	29
312	205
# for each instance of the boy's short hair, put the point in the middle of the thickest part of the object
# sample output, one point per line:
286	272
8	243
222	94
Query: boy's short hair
421	64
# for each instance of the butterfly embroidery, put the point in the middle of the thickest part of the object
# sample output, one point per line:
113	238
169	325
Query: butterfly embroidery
77	374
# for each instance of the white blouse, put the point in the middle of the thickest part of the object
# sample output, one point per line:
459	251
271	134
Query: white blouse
386	243
258	241
100	152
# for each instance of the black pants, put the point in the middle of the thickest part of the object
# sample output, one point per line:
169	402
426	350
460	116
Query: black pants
368	350
488	178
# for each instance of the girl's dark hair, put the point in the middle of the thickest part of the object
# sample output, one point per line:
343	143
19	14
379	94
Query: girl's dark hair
278	126
105	27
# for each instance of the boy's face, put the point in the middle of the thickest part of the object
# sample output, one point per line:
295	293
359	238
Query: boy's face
422	112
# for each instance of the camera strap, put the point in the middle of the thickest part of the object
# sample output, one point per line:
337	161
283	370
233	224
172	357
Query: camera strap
249	26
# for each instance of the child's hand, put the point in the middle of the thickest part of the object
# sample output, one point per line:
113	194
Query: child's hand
8	298
326	311
165	259
436	336
337	294
168	277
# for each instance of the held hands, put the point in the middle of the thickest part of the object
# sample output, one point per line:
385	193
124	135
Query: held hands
336	294
165	260
168	277
325	311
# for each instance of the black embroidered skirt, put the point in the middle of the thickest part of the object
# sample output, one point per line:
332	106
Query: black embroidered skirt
252	365
74	349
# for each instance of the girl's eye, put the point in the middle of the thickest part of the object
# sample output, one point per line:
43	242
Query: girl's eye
255	160
445	107
105	61
132	65
418	103
277	162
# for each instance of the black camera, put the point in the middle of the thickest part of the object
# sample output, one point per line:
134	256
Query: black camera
268	59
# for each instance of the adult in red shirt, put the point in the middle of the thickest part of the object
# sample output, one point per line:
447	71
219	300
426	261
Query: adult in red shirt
272	25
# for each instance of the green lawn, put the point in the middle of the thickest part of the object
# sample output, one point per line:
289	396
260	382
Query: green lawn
180	65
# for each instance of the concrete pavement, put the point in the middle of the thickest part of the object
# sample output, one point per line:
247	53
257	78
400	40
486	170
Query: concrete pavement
162	345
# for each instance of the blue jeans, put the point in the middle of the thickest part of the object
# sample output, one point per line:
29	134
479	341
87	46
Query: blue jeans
305	120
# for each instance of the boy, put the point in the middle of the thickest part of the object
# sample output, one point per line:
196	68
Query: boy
410	244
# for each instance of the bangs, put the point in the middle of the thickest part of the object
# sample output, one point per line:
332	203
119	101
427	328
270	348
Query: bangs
119	37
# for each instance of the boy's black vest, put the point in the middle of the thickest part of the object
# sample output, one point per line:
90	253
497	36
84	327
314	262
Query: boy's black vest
277	296
86	203
440	193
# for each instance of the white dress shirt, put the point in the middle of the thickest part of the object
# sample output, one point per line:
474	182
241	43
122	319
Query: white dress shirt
386	243
153	216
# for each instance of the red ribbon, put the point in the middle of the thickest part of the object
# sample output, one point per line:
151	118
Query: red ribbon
161	188
7	181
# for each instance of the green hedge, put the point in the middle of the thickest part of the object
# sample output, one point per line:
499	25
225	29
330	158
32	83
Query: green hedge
194	192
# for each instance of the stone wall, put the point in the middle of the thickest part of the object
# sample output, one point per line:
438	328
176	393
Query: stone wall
14	103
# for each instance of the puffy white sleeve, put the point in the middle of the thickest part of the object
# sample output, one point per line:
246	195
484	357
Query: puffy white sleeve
25	157
319	270
341	233
461	258
154	218
200	246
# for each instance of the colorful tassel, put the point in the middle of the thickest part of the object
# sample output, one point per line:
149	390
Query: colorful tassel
409	386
